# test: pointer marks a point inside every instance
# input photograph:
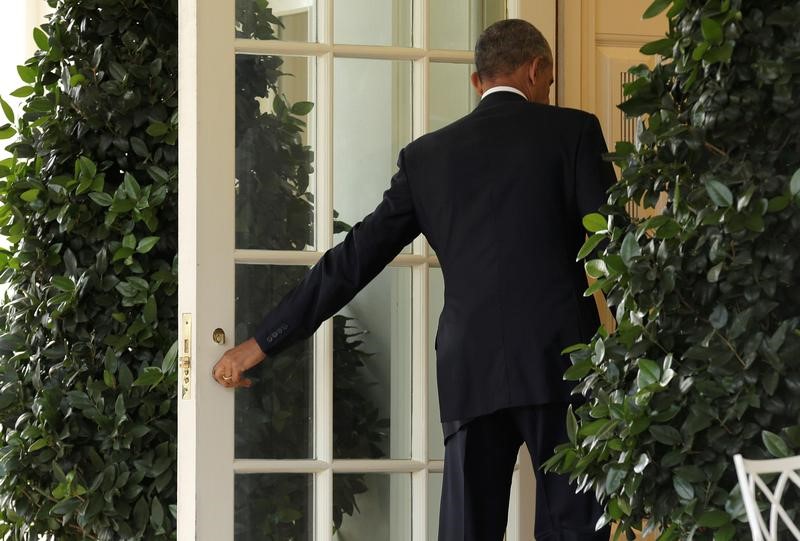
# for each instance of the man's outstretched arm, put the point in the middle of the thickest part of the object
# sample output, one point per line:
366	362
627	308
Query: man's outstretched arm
332	282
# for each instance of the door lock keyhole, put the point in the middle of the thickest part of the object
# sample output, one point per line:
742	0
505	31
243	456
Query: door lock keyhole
218	336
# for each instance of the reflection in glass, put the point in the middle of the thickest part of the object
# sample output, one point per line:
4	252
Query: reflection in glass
273	417
372	22
456	24
451	93
434	497
379	507
372	370
435	305
273	507
372	122
287	20
274	162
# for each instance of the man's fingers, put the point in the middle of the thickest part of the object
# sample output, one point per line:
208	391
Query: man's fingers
229	373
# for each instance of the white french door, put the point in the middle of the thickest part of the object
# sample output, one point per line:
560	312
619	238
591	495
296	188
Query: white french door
339	439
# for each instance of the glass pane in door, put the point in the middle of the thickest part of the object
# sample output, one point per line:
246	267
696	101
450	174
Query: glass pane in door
372	370
451	93
273	418
371	123
274	180
273	507
372	506
288	20
456	24
434	497
372	22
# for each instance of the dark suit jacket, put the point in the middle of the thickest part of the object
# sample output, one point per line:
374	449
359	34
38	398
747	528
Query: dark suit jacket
500	195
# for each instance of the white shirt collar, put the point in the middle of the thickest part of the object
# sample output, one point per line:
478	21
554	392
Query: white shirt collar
503	89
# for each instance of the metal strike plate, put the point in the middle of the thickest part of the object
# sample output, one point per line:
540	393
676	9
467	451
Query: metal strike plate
185	368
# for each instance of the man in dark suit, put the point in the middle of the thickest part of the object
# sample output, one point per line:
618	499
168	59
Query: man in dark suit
500	195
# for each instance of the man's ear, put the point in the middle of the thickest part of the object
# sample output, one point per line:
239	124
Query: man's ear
476	83
535	69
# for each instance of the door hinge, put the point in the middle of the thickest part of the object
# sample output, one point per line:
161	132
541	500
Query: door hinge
186	356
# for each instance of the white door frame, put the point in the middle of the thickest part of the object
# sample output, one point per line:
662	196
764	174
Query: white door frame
207	257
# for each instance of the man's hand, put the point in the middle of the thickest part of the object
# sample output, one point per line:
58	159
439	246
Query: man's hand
229	369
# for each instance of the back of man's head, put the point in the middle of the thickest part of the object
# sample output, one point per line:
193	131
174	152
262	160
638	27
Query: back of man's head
506	45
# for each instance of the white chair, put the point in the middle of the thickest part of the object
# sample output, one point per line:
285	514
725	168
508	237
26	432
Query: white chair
749	472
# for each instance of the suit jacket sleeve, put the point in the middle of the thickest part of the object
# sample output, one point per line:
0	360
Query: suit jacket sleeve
593	175
343	270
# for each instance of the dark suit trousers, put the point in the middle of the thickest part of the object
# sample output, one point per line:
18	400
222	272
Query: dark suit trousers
478	466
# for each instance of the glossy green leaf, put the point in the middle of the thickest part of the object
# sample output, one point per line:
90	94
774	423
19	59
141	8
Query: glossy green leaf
683	488
719	316
30	195
170	360
713	518
722	53
775	444
302	108
150	311
578	370
151	376
595	223
725	533
38	444
666	434
630	249
117	71
157	514
101	198
97	56
714	273
139	147
7	110
146	244
596	268
86	167
132	187
614	478
158	174
65	506
40	38
6	132
23	92
794	183
649	373
712	30
157	129
777	204
27	74
720	194
63	283
588	246
572	425
661	47
668	230
655	8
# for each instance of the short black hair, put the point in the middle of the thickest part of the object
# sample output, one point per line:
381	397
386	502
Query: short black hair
506	45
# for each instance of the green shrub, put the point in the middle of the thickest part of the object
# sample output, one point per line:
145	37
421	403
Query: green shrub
87	364
705	360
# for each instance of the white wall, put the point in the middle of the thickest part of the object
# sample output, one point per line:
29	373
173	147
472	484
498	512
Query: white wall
17	19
